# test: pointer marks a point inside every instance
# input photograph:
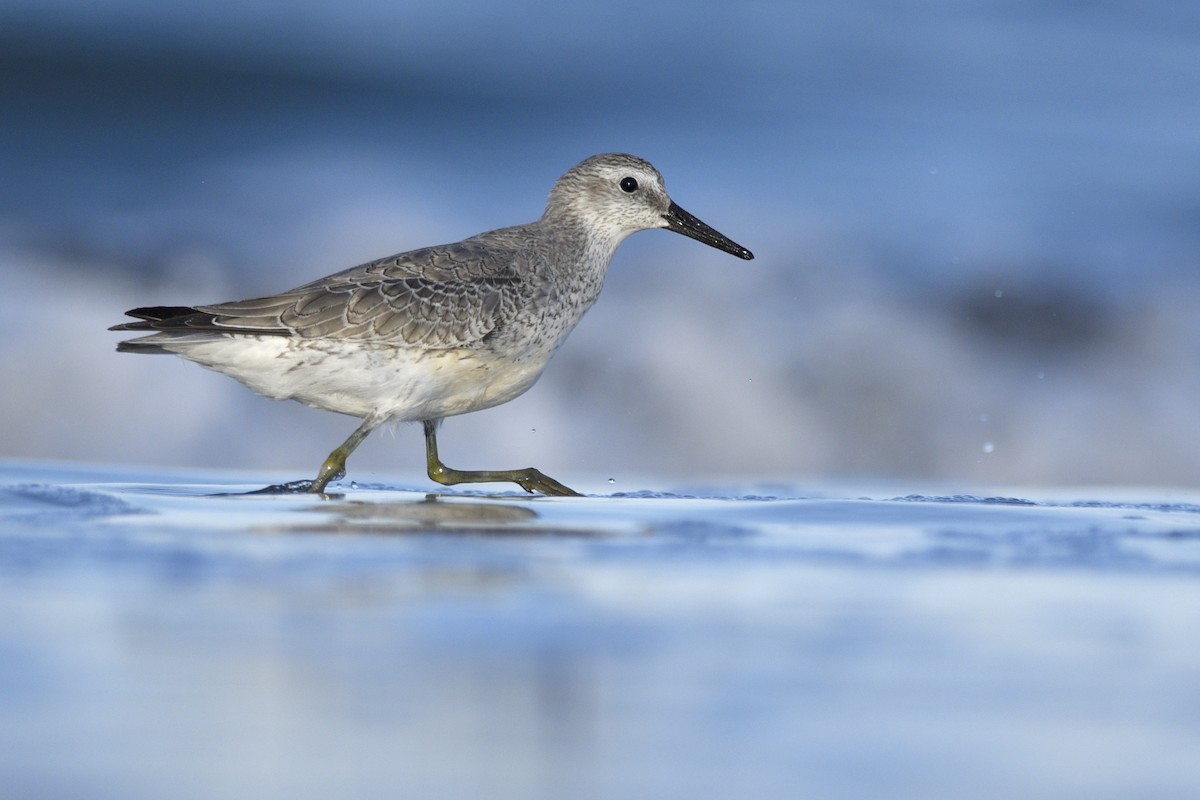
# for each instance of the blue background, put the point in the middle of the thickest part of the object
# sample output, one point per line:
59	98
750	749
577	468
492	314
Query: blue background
976	226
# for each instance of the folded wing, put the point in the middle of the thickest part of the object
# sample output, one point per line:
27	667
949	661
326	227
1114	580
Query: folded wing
438	297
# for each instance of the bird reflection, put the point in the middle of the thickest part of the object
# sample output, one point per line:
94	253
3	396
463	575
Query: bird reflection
430	514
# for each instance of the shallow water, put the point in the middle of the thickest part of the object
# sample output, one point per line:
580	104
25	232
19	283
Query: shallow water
160	639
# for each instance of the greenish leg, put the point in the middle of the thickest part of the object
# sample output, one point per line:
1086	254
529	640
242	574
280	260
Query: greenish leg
334	467
529	479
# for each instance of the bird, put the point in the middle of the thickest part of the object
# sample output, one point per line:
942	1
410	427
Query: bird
437	331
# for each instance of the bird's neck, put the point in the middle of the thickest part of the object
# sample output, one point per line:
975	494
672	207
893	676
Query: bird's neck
585	276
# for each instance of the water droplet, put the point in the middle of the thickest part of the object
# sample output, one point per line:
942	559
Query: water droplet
353	484
984	418
612	480
998	293
988	447
1041	375
533	430
933	170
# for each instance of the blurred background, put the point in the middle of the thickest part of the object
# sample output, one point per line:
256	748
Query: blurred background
976	226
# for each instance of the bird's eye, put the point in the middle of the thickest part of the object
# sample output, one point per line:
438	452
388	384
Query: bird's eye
629	185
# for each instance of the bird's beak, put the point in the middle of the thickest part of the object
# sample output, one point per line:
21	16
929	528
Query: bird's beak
681	221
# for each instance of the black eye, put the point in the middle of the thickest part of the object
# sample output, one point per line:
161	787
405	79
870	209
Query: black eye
628	185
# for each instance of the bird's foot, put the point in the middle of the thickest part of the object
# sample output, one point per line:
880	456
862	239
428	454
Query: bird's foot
533	480
291	487
529	479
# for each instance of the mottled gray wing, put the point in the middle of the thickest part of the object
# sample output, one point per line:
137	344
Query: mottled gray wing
440	297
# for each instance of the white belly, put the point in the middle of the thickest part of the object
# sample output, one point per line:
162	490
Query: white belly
385	382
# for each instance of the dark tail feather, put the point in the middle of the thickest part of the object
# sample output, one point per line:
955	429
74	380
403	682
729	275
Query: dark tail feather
137	346
149	315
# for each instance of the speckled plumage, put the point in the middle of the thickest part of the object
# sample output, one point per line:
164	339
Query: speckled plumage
437	331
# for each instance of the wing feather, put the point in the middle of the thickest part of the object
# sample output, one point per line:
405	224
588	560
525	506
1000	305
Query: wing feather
438	297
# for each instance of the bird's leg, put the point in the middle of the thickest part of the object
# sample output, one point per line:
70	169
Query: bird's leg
529	479
334	467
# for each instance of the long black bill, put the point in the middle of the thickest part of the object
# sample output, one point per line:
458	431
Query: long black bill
681	221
